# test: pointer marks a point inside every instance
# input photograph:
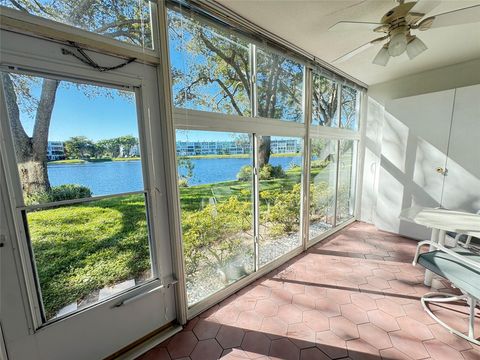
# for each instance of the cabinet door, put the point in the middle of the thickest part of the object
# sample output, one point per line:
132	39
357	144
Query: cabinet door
414	145
462	183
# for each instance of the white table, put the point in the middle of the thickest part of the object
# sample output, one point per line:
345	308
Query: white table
441	221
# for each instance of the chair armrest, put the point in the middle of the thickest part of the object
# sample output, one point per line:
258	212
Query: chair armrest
452	253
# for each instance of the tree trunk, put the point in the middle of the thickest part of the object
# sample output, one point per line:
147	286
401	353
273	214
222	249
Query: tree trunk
33	177
264	151
31	152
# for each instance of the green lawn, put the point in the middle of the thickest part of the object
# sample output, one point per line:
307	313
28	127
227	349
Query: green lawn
71	161
82	248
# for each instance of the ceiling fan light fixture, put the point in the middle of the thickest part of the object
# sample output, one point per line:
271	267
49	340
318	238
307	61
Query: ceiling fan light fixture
415	47
382	57
398	44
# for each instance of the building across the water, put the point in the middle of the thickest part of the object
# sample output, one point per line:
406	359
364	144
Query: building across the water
55	150
192	148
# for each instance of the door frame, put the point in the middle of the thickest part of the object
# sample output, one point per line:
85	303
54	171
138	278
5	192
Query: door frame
43	59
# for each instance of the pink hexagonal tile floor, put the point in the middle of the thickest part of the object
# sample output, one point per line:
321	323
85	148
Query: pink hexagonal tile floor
355	295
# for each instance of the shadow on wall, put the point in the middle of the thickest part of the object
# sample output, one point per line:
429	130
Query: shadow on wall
400	168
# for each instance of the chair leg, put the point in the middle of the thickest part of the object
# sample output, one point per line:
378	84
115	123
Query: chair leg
438	297
471	324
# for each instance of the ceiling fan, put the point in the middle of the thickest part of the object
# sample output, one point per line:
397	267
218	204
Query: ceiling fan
397	25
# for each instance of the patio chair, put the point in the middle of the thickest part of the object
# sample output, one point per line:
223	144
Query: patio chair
464	240
460	266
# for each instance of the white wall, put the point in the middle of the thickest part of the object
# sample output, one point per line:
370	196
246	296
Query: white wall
381	200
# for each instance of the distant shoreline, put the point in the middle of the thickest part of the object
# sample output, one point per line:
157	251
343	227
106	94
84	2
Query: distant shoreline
235	156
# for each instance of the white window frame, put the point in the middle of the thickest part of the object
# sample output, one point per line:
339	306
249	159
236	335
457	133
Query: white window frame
16	60
190	119
15	20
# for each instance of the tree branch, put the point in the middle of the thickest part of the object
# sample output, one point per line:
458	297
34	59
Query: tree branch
229	61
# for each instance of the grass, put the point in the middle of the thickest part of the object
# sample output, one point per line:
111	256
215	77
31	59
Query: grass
235	156
136	158
71	161
82	248
81	161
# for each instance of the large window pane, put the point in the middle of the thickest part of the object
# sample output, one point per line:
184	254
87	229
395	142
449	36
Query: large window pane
89	252
346	180
324	102
73	141
215	180
210	66
280	176
279	87
124	20
350	108
323	173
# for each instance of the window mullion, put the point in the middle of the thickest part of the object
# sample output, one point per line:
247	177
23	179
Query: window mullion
335	211
305	205
256	201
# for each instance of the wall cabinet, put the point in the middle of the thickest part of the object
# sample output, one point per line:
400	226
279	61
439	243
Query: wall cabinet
429	156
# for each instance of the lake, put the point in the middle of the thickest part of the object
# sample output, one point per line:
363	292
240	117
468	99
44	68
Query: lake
113	177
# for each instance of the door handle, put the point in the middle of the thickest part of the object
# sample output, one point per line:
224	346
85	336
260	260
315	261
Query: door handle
442	171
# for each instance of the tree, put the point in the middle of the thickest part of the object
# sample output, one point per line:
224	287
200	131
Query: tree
126	142
120	19
325	100
31	152
211	71
79	147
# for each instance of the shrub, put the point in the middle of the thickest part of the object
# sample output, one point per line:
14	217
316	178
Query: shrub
267	172
245	173
59	193
214	234
182	182
40	197
283	213
69	192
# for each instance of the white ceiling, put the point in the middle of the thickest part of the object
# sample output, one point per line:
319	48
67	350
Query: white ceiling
306	23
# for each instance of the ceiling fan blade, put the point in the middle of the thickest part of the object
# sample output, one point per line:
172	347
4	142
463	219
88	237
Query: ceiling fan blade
457	17
425	6
353	26
358	50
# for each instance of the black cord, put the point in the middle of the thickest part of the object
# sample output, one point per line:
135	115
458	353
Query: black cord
83	57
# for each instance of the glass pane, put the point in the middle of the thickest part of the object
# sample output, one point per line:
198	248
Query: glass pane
280	160
350	108
72	140
324	102
75	141
88	252
124	20
323	173
279	87
210	66
346	180
215	180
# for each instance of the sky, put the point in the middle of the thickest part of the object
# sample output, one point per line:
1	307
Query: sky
97	113
87	111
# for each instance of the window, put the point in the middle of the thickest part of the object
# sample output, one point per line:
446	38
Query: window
210	66
280	178
325	101
73	142
127	21
217	209
279	87
350	108
323	174
346	180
